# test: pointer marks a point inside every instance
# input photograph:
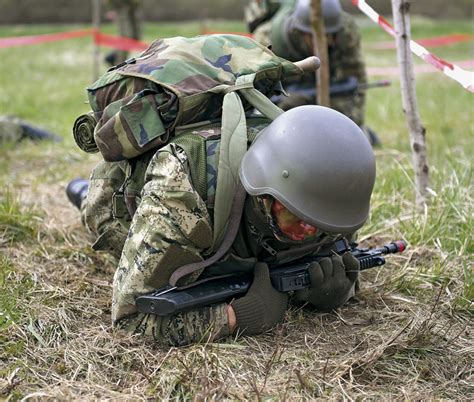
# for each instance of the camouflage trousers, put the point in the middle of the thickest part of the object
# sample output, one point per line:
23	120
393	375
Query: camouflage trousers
171	227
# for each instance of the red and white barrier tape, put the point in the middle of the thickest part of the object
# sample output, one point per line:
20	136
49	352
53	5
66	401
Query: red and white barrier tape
465	78
116	42
436	41
119	42
35	39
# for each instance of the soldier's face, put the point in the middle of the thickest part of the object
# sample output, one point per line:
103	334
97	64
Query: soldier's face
290	225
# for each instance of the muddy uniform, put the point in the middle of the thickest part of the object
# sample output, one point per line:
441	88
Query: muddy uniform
345	60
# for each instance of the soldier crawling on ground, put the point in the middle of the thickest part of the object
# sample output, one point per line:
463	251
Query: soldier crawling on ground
239	194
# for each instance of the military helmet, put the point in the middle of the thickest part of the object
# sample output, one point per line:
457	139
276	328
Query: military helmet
301	17
318	163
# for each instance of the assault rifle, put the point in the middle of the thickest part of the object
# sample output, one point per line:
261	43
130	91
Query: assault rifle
347	87
284	278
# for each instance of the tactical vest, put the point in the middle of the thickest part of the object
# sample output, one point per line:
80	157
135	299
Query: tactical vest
201	143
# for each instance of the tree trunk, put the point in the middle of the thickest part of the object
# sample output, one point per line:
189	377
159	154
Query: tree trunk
416	130
320	50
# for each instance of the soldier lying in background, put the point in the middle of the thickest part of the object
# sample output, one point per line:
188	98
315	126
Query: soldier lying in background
13	129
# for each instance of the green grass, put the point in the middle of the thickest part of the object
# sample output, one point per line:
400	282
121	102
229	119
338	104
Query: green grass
407	335
17	222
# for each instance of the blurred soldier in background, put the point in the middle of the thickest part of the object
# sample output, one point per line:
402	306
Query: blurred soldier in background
285	25
127	16
13	129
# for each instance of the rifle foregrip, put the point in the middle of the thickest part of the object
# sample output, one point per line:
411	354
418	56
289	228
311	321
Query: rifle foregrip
371	262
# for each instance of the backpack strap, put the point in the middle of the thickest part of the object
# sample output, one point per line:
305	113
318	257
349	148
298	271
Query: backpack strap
229	237
230	194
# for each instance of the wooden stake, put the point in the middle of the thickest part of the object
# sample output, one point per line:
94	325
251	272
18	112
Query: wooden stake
320	48
96	50
401	17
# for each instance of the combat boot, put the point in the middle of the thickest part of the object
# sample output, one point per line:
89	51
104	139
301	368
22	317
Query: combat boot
372	136
76	191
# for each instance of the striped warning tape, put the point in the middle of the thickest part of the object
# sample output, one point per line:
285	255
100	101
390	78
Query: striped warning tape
35	39
100	38
465	78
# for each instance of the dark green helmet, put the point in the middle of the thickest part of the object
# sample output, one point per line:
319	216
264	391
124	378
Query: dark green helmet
301	17
318	164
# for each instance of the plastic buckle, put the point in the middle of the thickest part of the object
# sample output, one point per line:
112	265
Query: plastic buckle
119	208
269	249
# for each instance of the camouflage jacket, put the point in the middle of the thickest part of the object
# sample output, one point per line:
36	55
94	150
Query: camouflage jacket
345	60
172	226
10	129
345	56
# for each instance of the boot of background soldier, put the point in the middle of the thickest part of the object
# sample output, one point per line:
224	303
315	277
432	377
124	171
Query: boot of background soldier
13	129
76	191
37	134
372	136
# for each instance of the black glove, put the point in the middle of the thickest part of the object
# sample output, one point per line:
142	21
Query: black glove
262	307
332	280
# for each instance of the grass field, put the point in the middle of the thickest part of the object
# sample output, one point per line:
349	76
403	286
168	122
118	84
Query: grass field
408	334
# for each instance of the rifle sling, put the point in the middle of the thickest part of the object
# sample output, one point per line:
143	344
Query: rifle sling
229	237
295	253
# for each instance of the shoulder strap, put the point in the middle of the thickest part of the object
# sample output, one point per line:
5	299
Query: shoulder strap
231	232
230	194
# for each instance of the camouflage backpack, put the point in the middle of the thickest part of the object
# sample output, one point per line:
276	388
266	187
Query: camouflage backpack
137	105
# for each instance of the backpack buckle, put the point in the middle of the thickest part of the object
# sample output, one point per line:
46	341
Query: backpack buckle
119	208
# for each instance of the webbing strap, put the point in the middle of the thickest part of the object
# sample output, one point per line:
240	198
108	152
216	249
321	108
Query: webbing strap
230	194
232	149
229	237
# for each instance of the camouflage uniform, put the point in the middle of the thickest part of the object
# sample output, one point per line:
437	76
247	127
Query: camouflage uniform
153	210
10	129
170	228
345	60
14	129
128	24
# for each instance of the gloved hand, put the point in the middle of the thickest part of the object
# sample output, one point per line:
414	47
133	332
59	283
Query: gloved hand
332	280
262	307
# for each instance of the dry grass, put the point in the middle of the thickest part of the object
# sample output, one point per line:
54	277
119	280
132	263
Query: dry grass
401	337
407	334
